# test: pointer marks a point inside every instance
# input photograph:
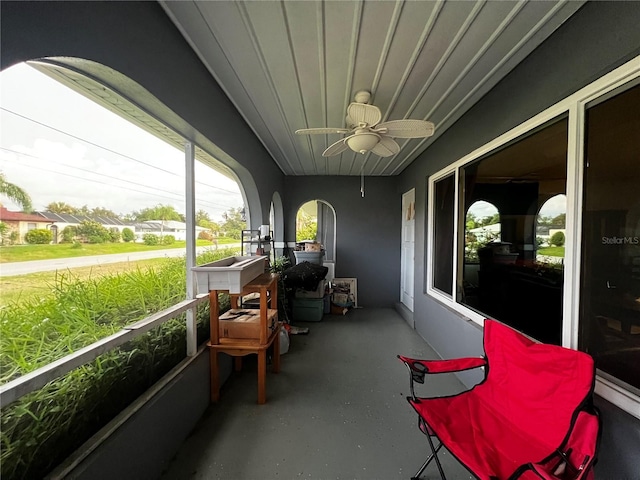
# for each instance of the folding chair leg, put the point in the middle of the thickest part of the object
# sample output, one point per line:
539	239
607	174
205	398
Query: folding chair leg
428	461
434	451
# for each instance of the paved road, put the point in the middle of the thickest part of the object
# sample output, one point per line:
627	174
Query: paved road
22	268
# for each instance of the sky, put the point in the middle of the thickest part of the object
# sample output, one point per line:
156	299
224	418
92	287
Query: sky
551	208
59	146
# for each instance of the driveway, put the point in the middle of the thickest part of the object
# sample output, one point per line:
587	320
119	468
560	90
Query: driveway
23	268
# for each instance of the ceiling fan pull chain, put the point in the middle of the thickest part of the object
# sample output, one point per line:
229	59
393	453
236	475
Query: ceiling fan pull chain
362	181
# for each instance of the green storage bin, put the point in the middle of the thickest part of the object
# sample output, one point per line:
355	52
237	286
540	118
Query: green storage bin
308	309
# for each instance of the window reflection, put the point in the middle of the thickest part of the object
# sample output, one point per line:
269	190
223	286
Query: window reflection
515	283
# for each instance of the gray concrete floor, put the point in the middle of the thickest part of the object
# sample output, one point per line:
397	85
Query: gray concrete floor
336	410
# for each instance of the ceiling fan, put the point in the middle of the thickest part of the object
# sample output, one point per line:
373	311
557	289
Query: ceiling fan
366	134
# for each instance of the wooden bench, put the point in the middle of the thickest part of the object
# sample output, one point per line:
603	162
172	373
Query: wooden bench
531	417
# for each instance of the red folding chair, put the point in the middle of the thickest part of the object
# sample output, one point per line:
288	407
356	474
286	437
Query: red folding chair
532	416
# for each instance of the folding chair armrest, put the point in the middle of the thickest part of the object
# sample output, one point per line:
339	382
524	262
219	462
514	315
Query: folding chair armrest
442	366
419	368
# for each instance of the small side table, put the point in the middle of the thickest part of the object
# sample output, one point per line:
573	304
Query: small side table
267	286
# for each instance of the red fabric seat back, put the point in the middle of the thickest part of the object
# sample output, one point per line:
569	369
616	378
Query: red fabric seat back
526	377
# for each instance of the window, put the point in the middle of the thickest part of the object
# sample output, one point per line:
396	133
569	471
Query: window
550	230
31	226
501	273
443	231
566	190
610	280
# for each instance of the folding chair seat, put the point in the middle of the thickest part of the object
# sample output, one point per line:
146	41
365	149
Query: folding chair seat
531	416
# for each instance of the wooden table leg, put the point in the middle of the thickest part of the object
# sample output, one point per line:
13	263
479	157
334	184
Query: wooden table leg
262	376
215	375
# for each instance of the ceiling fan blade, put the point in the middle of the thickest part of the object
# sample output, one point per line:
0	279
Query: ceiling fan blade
363	113
320	131
406	128
386	147
335	148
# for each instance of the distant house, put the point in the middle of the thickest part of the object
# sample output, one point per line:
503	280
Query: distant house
62	220
487	233
163	228
23	222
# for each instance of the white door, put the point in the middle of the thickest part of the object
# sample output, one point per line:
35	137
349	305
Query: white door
408	247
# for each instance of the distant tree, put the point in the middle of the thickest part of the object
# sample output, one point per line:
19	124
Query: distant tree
471	221
492	220
104	212
546	221
40	236
557	239
306	226
203	219
4	232
60	207
159	212
559	220
83	210
128	235
233	223
15	194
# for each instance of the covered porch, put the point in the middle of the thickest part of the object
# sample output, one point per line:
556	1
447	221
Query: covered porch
337	409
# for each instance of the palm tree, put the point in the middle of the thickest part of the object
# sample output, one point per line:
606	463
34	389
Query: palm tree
15	193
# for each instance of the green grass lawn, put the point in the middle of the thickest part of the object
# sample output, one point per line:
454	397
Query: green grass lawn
551	251
23	253
22	287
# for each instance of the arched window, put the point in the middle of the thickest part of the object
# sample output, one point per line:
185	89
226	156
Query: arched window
550	230
316	221
482	226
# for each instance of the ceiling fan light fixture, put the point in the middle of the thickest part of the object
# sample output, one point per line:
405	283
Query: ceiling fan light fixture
362	142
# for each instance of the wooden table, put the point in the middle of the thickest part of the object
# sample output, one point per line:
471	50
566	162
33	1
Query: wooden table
267	286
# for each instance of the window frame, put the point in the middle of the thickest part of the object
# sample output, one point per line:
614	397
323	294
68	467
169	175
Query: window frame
573	106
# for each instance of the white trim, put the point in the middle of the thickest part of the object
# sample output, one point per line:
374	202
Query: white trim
575	106
617	395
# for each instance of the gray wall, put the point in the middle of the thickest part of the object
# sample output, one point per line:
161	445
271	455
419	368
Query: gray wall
367	230
598	38
138	40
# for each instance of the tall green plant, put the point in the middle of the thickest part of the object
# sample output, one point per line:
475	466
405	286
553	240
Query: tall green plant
41	429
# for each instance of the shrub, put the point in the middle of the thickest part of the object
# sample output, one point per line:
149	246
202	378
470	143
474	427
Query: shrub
557	239
168	239
94	239
150	239
128	235
69	234
91	231
40	236
205	235
114	235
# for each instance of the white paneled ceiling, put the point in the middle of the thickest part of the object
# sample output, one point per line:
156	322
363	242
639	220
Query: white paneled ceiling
288	65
